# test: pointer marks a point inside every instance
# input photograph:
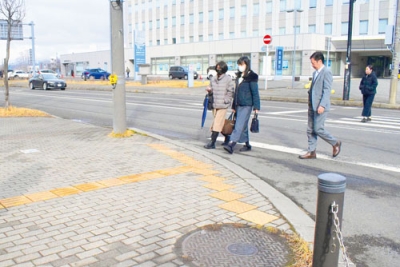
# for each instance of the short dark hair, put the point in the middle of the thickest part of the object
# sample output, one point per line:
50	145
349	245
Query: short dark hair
318	56
370	67
222	65
246	61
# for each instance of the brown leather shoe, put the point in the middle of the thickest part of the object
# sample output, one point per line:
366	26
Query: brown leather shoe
336	148
309	155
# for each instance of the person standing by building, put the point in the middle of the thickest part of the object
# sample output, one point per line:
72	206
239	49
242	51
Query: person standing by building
318	108
221	88
246	99
127	72
368	86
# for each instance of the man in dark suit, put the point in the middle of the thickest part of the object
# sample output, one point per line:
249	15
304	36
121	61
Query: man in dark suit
318	108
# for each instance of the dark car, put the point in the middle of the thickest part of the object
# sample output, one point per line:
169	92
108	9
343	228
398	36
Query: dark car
95	74
46	81
180	72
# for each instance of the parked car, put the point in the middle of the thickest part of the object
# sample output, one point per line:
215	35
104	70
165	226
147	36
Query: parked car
211	72
18	74
46	81
95	74
181	72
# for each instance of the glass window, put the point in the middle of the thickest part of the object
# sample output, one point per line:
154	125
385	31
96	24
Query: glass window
256	8
174	40
173	21
268	31
268	7
191	18
232	12
255	33
150	43
363	27
158	5
182	40
221	14
182	19
243	34
345	28
346	2
243	11
313	3
382	25
158	23
200	38
200	17
328	28
297	4
231	35
165	41
130	27
311	28
221	36
297	29
143	26
150	25
210	15
166	23
282	5
158	42
329	2
191	39
282	30
210	37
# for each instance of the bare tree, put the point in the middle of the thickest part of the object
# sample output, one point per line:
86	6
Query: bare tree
13	12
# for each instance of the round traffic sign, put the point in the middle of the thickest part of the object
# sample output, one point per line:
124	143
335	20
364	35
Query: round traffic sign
267	39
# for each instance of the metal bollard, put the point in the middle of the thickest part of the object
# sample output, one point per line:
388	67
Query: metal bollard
331	187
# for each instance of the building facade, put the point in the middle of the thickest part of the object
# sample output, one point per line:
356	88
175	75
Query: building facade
200	33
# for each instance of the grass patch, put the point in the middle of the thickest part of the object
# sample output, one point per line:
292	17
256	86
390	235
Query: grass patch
127	133
21	112
303	256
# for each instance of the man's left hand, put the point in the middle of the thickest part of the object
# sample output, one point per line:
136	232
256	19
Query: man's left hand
320	110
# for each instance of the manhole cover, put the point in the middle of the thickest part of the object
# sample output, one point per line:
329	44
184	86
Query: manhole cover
233	245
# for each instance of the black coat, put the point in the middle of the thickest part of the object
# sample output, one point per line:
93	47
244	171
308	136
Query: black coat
246	93
368	84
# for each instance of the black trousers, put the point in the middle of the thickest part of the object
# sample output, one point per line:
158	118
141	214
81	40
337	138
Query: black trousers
367	102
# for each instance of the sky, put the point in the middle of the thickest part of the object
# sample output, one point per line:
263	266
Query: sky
62	27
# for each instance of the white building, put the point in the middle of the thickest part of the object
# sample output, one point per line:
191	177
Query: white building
202	32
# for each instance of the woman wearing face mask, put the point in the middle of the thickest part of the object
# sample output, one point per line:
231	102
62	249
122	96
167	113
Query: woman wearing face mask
246	99
368	86
221	88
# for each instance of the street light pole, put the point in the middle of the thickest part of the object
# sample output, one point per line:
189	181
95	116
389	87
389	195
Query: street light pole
396	53
294	48
347	72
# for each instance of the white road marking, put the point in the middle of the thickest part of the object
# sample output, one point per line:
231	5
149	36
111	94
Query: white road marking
298	151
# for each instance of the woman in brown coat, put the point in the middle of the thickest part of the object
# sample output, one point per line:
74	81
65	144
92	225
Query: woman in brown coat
222	88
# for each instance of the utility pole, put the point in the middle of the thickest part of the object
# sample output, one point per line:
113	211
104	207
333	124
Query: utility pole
33	47
395	61
347	72
117	65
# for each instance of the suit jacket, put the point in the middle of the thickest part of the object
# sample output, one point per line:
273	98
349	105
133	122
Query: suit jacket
320	90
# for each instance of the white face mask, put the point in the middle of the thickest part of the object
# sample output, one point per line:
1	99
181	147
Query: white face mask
242	68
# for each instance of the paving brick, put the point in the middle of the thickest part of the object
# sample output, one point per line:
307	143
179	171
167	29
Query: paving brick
128	255
127	263
47	259
28	257
89	253
63	261
70	252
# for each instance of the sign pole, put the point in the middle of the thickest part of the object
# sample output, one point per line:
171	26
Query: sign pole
267	40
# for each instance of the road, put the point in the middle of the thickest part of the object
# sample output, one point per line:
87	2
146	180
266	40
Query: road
369	159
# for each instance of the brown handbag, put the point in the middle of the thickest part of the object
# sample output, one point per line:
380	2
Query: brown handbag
229	125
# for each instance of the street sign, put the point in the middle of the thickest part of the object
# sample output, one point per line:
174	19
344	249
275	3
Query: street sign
267	39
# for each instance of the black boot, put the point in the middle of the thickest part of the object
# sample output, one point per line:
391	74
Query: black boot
246	147
211	145
226	141
230	147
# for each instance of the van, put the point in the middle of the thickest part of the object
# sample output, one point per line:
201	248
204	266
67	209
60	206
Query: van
180	72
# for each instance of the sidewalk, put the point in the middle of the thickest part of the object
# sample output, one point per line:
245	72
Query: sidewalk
72	196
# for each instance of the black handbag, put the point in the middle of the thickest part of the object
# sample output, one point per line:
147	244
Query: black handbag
255	125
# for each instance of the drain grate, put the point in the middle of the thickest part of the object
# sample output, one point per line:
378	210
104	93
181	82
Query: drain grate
232	246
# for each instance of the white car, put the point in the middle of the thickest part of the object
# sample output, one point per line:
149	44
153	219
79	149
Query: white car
18	74
212	73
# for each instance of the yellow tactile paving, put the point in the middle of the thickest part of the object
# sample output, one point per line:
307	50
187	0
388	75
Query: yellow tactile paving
130	178
66	191
2	207
41	196
14	201
205	171
112	182
150	175
212	179
237	206
89	186
219	186
177	170
226	195
257	217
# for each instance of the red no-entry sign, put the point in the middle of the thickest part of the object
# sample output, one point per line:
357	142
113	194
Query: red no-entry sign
267	39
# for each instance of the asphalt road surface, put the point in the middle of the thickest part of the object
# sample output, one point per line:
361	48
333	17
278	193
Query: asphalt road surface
369	159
